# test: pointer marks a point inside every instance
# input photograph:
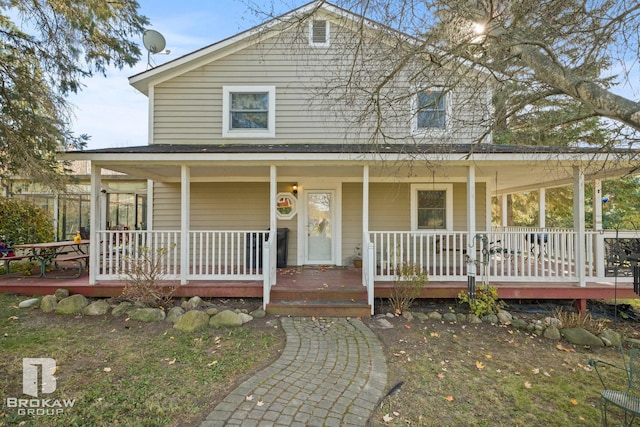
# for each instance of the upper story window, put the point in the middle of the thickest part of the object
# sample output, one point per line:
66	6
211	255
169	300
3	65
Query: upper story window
432	110
249	111
318	32
432	207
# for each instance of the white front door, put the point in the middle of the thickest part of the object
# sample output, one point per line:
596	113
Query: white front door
320	227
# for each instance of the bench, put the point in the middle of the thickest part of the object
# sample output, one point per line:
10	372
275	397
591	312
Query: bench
7	261
81	259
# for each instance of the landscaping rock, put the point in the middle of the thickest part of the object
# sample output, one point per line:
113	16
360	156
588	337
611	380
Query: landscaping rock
450	317
212	311
175	314
62	294
384	323
246	318
192	320
473	319
72	305
224	319
552	333
553	321
580	336
461	318
193	303
420	316
96	308
48	303
407	315
611	338
504	317
148	315
28	303
258	313
519	324
121	308
434	315
491	318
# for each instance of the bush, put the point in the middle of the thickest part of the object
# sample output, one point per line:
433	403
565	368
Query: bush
407	287
485	302
144	271
23	222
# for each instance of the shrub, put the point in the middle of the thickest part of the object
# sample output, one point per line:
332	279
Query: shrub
23	222
485	302
144	271
407	286
571	319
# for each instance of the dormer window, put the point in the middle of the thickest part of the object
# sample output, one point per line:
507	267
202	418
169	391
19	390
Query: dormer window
318	32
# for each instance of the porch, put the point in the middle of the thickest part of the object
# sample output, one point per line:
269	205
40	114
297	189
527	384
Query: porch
325	291
522	264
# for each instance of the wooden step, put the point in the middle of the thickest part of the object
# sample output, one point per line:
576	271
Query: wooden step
299	308
319	295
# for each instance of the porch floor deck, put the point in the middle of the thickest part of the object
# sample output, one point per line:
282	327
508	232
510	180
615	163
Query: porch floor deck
324	278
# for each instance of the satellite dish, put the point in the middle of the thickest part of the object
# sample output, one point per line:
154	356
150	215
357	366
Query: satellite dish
153	41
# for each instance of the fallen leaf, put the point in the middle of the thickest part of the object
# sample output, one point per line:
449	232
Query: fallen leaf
107	369
113	330
250	397
480	365
527	384
441	375
449	398
535	371
170	361
574	402
435	334
215	362
563	348
407	326
387	418
260	403
488	356
13	317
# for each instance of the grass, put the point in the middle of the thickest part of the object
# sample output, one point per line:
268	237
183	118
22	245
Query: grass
119	372
487	375
122	372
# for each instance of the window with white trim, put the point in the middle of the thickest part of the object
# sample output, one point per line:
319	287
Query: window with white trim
432	110
319	32
432	207
248	111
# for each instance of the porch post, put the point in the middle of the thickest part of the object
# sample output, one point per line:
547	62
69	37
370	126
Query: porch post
579	225
504	216
185	199
542	209
364	249
598	238
94	222
471	203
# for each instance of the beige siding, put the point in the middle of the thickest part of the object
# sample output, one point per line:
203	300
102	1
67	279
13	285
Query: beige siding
351	219
188	108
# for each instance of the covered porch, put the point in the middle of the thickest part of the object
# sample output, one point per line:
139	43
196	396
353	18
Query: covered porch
363	214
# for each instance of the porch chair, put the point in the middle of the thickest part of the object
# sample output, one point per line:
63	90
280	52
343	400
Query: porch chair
629	399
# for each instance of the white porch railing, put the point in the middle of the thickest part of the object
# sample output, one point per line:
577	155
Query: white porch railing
543	255
213	255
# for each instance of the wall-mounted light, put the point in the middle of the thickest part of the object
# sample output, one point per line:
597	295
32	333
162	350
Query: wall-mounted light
294	189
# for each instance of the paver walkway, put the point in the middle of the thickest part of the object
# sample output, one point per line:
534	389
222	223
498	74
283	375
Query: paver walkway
332	372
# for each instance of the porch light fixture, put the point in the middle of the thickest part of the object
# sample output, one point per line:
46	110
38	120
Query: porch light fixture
294	189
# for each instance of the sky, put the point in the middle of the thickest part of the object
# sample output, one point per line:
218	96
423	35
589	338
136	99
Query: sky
111	111
114	114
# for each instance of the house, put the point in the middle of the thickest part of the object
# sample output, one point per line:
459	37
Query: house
260	156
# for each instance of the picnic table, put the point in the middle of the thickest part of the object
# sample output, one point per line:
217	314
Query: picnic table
57	252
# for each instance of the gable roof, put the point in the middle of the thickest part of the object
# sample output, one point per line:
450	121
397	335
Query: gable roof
232	44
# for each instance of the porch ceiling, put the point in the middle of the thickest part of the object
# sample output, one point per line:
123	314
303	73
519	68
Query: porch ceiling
504	169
